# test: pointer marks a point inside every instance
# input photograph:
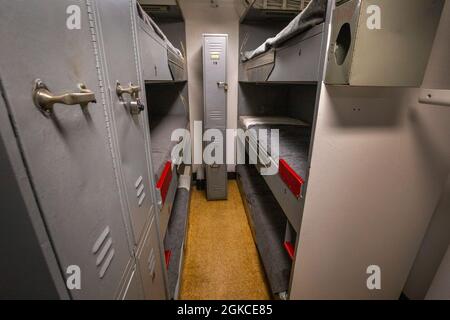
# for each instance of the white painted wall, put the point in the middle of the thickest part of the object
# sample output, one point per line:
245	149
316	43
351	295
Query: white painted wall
201	18
376	177
440	287
437	237
432	251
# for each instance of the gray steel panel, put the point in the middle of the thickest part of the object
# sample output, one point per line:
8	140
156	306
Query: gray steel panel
402	46
177	66
116	25
217	175
134	289
20	215
153	55
216	182
299	61
131	287
215	71
260	68
68	154
291	205
150	264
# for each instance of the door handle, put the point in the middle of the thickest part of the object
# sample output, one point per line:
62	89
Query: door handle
222	84
135	105
131	90
45	100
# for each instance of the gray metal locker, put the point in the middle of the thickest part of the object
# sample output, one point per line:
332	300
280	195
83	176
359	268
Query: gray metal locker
127	96
132	288
215	89
66	148
151	265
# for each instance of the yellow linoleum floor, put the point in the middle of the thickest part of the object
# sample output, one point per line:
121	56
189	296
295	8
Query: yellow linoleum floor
221	259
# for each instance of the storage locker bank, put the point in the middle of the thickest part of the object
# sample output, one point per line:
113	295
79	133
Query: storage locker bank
225	149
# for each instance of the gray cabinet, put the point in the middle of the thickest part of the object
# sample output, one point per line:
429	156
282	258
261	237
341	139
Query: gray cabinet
215	81
215	89
66	148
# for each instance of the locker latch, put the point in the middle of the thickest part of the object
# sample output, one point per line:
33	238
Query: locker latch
222	84
135	105
45	100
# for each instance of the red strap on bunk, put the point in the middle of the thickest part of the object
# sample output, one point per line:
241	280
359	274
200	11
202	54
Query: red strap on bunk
291	178
164	181
167	255
290	249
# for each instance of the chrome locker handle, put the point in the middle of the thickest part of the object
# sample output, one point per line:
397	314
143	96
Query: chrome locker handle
45	100
133	91
222	84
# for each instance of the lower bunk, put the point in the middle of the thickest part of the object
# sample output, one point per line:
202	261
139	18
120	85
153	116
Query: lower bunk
165	166
174	239
290	164
270	228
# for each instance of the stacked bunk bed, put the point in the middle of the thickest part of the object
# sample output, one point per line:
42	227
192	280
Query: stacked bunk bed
278	89
292	55
164	74
162	61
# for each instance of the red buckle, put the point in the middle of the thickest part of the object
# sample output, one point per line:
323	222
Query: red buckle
290	178
290	249
164	181
167	255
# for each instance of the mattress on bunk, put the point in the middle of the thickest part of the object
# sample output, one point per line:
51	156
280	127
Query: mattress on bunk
312	15
294	140
269	224
161	128
248	121
174	238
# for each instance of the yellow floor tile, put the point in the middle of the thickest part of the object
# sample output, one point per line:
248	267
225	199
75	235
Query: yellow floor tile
221	259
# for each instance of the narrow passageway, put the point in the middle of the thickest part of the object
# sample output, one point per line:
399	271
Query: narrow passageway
221	259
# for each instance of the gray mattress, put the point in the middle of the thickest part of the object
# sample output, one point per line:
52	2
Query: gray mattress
269	225
175	235
312	15
161	128
294	145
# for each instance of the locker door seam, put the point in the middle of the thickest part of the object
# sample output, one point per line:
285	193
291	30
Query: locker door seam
147	138
96	43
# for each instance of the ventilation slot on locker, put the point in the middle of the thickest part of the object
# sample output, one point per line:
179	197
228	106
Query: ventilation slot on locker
217	115
140	190
104	251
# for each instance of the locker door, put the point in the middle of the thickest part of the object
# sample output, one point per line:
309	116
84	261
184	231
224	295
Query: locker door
67	148
151	265
119	47
215	81
216	174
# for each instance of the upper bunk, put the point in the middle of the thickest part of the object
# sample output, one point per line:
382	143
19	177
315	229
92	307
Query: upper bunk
293	54
160	29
